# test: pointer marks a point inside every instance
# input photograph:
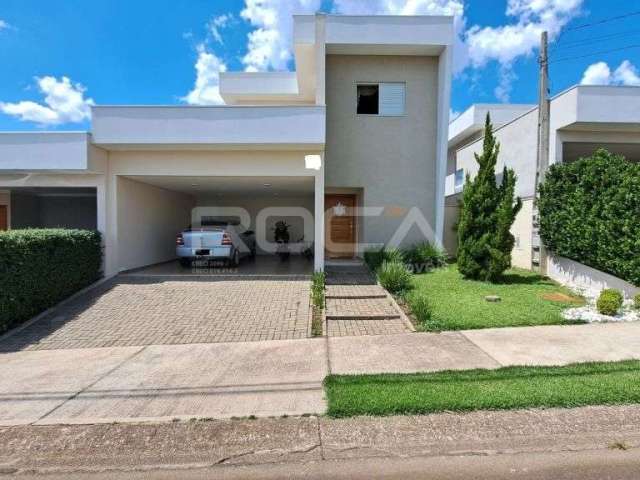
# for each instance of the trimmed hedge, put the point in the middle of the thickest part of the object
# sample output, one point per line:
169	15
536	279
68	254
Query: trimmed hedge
590	212
41	267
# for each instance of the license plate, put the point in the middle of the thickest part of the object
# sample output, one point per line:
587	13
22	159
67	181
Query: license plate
202	252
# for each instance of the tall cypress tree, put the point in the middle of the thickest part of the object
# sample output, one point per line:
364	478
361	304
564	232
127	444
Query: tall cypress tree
486	216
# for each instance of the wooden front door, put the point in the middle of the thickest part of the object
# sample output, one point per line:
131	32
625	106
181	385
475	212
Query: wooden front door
340	226
3	218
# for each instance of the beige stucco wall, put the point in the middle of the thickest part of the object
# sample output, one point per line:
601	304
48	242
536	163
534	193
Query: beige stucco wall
522	230
517	151
451	217
393	159
210	163
148	220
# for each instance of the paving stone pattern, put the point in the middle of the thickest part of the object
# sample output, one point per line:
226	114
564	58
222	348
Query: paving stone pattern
356	305
155	311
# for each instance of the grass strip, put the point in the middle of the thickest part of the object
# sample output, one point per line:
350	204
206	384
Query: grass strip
603	383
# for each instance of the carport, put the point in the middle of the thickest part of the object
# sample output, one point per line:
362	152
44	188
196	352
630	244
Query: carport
153	209
167	164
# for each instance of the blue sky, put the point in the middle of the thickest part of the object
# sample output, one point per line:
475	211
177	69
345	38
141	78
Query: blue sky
59	57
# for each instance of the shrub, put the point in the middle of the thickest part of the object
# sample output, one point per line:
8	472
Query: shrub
41	267
636	301
590	212
393	255
317	289
488	211
609	302
425	256
394	276
422	311
374	258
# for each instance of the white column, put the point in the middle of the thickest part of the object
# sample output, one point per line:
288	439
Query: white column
320	57
111	237
319	219
444	93
101	221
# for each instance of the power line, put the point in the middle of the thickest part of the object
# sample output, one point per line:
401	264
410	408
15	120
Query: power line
604	20
592	24
588	41
566	59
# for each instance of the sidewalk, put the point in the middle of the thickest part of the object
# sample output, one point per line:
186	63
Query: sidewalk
271	378
488	348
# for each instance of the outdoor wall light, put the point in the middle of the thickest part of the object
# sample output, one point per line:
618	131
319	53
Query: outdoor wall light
313	162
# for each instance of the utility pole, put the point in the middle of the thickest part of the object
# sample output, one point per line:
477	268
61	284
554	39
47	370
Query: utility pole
539	260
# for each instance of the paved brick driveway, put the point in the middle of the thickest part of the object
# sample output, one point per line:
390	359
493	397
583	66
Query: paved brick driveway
154	311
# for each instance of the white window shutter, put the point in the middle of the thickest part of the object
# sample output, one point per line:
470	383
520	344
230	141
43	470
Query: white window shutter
392	99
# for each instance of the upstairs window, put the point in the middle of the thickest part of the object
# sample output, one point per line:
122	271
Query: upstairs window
384	99
459	183
368	99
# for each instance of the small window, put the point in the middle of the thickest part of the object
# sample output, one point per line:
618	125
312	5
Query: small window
384	99
392	99
459	179
368	99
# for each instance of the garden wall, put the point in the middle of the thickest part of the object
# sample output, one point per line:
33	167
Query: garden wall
584	279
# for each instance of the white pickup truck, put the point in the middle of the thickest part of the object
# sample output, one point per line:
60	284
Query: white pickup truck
217	241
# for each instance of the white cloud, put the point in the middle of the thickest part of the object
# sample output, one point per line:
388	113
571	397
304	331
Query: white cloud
414	7
507	77
3	24
64	102
506	43
269	45
216	24
599	73
206	90
626	74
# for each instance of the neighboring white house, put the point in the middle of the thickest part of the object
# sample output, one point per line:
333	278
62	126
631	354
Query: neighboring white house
583	118
362	122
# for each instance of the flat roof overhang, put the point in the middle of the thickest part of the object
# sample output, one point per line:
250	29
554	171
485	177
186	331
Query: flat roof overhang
472	120
378	30
213	127
594	107
64	152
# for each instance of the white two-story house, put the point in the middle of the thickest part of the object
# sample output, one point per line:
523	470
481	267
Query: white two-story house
350	149
583	118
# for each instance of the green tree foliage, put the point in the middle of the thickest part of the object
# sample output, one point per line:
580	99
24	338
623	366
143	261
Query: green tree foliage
488	211
41	267
590	212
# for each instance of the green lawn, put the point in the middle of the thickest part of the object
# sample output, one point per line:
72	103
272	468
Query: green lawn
505	388
458	304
